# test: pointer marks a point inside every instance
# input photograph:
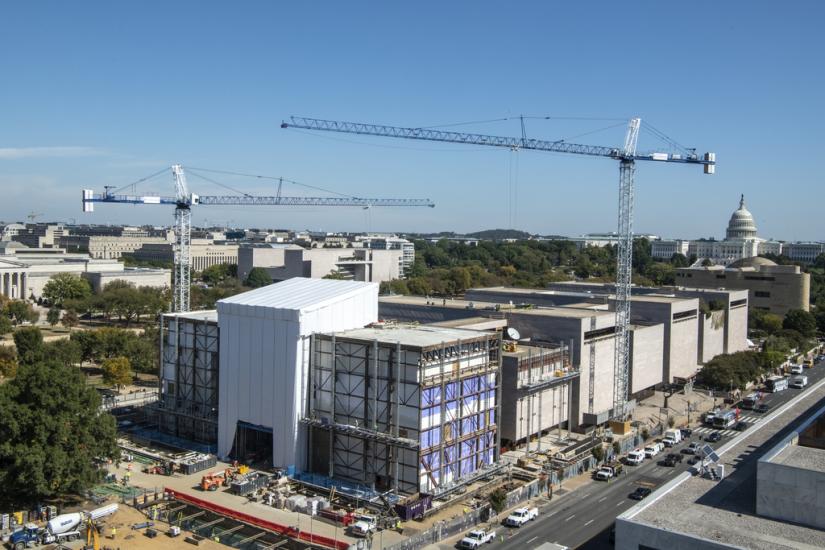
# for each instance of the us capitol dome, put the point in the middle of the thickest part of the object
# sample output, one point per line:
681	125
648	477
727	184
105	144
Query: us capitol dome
741	224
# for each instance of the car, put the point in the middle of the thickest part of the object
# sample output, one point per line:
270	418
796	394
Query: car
640	493
686	432
713	437
653	450
669	462
691	449
693	460
674	456
762	408
741	426
521	516
476	539
362	528
797	369
799	382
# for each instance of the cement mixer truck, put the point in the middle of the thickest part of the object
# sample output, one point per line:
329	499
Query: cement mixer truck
65	527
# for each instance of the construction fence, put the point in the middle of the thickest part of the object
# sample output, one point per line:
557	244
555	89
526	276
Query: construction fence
467	520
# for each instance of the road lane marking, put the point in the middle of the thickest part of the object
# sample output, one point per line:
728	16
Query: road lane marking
571	517
531	540
589	522
602	499
620	503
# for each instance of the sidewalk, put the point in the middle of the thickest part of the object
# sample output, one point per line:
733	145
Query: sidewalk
568	488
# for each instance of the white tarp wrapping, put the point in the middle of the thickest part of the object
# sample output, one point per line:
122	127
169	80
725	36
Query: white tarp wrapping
264	354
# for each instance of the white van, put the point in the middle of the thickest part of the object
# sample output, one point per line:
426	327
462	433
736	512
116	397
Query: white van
635	457
799	382
797	369
672	437
653	449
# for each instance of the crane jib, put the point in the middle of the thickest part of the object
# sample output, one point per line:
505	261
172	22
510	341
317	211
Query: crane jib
426	134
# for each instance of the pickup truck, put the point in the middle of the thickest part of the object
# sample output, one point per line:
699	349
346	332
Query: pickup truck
521	516
608	472
363	526
476	539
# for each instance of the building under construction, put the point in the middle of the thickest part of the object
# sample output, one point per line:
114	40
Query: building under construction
188	403
407	408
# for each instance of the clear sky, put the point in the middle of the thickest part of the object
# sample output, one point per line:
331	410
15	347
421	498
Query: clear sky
105	93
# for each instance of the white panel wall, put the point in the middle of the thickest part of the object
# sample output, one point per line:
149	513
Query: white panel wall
264	354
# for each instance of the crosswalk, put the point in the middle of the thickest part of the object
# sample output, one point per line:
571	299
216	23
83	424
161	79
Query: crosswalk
751	419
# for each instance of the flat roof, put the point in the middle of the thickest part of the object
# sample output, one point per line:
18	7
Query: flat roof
422	336
298	293
555	311
798	456
725	512
205	315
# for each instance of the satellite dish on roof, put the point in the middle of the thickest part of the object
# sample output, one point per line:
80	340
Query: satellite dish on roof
513	334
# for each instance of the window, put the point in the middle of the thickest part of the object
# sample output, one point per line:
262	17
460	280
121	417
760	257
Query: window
599	333
762	294
684	315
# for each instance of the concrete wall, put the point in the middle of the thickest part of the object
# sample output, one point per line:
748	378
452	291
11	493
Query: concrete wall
681	334
711	335
789	493
647	356
156	278
261	256
777	289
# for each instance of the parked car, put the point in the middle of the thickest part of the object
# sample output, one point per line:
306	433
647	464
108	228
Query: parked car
686	432
797	369
741	426
691	449
634	458
608	471
762	408
364	526
477	538
521	516
713	437
653	449
799	382
640	493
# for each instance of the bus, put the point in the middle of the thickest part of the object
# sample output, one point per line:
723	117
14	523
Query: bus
724	420
750	401
776	383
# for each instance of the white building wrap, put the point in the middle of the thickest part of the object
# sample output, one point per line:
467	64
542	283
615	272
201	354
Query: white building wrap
264	354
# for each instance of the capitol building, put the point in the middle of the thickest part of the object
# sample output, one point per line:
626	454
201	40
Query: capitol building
741	241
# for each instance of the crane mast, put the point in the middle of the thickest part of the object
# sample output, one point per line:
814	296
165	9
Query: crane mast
627	157
184	200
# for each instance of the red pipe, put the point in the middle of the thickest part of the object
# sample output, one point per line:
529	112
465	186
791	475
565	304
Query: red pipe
258	522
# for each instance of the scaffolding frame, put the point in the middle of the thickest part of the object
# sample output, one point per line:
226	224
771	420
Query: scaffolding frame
190	409
367	396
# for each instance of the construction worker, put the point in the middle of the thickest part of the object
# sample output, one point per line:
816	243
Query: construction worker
114	532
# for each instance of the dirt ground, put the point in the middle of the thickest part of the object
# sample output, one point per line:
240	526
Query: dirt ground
126	538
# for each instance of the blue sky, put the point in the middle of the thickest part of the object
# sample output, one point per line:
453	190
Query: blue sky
104	93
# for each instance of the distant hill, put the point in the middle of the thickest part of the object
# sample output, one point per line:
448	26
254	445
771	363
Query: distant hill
499	234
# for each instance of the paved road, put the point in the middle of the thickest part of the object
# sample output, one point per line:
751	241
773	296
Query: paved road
584	518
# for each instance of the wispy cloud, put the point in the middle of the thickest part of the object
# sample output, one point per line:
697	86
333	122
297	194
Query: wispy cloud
11	153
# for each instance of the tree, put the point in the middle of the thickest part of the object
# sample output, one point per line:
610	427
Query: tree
66	352
498	500
66	286
51	435
258	277
20	311
69	319
598	453
53	316
5	325
89	344
29	344
217	274
8	362
334	275
117	371
707	262
801	321
679	260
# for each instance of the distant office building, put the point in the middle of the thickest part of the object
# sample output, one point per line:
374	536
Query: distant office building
803	252
393	243
771	287
261	254
40	235
202	253
603	239
108	247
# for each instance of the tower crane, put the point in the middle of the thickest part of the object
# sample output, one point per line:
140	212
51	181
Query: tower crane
626	156
184	200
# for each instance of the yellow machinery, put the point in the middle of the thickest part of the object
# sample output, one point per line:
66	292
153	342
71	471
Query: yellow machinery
92	536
